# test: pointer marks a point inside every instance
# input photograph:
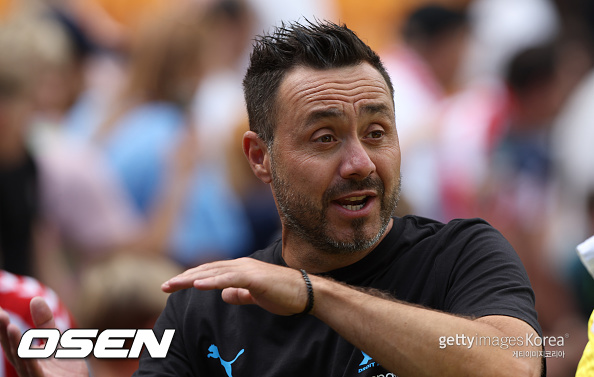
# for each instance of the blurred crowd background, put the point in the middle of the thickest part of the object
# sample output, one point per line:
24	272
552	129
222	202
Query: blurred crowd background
121	125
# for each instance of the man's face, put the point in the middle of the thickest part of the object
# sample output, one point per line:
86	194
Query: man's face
335	159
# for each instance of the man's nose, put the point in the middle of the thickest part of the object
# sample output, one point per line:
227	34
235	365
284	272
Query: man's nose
356	163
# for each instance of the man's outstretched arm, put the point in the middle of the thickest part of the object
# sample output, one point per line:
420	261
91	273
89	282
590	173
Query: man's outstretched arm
10	336
403	338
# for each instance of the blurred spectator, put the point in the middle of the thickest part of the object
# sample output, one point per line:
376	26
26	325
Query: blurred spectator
574	155
219	109
61	208
61	79
522	157
19	202
504	173
500	31
375	22
218	105
122	292
424	69
16	293
499	156
149	141
572	136
579	275
480	113
512	113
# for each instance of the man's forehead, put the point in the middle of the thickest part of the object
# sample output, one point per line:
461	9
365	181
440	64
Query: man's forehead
305	74
310	84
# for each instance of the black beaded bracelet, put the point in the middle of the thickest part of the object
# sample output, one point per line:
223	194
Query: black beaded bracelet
310	295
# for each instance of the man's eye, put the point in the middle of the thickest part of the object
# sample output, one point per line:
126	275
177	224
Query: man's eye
326	139
375	134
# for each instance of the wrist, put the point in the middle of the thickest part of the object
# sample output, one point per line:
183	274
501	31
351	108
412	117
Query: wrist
310	295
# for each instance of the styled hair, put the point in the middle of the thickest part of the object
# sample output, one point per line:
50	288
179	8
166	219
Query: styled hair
319	45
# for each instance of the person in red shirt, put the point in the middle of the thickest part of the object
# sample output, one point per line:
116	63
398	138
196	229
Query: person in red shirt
16	294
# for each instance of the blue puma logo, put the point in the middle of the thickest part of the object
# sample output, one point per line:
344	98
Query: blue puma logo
214	353
366	359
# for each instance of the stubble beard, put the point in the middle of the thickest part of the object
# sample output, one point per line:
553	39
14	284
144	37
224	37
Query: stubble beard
308	220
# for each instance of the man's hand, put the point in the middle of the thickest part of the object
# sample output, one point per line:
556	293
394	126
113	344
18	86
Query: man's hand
10	336
280	290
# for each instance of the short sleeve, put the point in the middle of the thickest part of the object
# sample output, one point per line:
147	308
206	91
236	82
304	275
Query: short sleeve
176	363
487	277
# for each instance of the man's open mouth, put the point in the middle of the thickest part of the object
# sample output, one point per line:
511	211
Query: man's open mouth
353	203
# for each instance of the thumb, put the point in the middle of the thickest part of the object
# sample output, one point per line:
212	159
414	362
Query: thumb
41	313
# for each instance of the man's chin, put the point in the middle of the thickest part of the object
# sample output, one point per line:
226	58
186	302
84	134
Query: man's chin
354	239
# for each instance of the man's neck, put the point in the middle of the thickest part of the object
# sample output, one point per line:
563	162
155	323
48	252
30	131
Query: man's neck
300	254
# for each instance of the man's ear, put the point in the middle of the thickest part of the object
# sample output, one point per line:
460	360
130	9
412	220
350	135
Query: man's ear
256	151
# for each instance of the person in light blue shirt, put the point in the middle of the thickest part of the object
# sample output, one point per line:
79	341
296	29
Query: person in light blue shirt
147	140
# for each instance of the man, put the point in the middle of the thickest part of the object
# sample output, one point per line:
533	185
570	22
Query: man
383	294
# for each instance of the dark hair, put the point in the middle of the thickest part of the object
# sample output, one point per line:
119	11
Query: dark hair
531	67
432	21
319	45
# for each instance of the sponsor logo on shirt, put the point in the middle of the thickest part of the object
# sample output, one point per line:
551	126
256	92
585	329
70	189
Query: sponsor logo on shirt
366	359
214	353
368	362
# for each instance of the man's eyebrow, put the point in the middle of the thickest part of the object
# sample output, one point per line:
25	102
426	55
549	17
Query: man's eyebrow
376	109
322	114
334	113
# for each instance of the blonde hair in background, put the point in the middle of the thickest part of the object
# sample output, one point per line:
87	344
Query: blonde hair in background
123	291
29	43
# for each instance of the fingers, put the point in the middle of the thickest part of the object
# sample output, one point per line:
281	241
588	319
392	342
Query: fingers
4	321
41	313
180	281
238	296
216	275
5	339
280	290
14	337
10	337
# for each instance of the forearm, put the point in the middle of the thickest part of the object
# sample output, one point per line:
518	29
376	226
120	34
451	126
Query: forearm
404	338
401	337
